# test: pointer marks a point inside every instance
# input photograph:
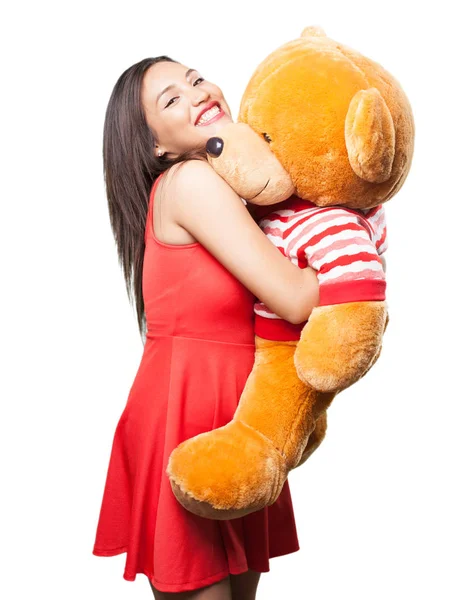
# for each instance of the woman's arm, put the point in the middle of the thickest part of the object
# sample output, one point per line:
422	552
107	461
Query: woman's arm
209	209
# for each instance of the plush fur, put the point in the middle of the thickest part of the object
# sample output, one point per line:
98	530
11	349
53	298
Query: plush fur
321	121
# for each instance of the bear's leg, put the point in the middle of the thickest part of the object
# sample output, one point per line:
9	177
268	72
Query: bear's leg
315	439
241	467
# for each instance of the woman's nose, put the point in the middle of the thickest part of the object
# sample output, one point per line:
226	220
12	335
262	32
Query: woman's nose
201	97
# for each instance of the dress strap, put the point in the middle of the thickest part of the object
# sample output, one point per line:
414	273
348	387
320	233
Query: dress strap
149	220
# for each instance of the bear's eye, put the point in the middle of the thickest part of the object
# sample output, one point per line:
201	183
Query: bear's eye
266	137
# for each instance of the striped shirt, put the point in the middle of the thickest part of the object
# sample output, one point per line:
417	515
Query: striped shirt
343	245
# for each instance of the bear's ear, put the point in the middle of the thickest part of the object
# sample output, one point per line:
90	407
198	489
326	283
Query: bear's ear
313	31
370	136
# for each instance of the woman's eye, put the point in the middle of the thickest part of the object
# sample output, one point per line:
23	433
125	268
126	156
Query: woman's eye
168	104
200	79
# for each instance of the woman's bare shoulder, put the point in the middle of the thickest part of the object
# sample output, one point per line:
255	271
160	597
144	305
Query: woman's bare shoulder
197	174
174	191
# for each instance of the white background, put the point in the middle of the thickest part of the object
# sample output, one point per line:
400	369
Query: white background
379	506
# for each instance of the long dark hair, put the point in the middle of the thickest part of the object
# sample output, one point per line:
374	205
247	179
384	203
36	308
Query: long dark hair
130	167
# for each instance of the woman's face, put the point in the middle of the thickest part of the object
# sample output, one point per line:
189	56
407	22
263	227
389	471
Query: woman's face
177	115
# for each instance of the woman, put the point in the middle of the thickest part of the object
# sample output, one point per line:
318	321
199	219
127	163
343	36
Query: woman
194	259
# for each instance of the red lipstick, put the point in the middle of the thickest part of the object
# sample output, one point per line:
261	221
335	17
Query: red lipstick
220	114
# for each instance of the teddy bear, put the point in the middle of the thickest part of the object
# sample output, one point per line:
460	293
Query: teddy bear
324	139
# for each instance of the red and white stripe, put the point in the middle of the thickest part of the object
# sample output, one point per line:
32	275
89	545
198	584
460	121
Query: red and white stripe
341	244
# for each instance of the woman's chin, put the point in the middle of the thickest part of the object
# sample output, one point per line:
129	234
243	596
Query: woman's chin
214	128
220	123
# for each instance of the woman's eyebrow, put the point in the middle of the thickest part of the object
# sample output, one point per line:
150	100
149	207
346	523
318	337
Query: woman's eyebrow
169	87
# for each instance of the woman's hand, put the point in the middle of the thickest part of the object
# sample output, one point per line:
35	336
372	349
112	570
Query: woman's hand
384	263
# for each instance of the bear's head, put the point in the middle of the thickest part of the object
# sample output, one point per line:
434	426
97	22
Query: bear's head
320	121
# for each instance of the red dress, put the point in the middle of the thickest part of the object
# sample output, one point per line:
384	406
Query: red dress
196	360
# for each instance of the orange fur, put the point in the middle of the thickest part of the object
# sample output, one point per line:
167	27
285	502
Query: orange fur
338	344
339	130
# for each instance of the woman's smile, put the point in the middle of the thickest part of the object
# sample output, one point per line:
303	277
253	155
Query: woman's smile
211	112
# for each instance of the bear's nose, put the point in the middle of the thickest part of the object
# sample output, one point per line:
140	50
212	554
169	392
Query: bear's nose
214	146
